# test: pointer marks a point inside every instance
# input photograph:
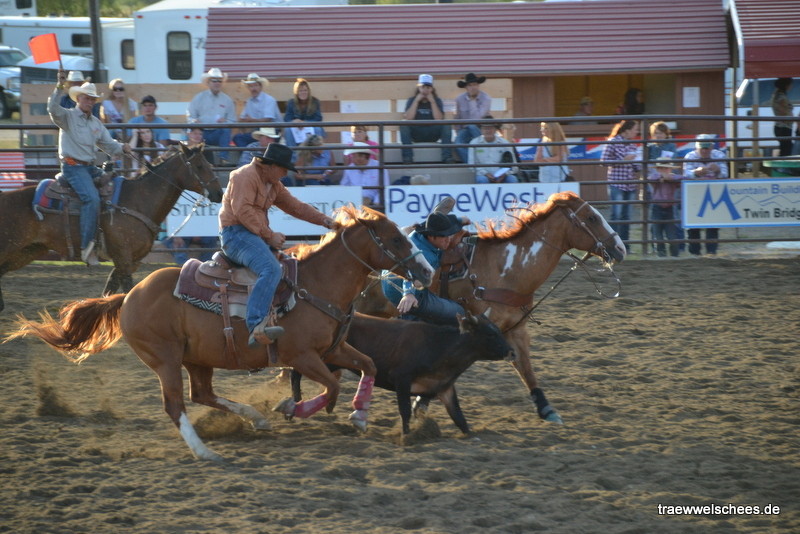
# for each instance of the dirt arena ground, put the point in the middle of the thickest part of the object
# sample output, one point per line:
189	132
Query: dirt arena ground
685	390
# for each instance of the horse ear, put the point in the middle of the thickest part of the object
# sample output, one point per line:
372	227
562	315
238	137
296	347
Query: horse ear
462	326
184	149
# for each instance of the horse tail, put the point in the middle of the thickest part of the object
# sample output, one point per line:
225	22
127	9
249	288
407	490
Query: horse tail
83	327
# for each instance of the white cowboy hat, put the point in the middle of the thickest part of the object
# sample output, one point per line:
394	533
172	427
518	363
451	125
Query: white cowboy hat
75	76
268	132
420	179
255	78
358	148
214	72
87	89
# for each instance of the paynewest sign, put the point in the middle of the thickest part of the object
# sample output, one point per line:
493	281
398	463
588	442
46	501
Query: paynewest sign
405	205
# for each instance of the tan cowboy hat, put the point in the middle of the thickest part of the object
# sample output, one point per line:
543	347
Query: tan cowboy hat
358	148
214	72
586	100
255	78
266	132
420	179
665	162
87	89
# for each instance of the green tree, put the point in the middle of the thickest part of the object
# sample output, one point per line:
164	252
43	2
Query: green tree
108	8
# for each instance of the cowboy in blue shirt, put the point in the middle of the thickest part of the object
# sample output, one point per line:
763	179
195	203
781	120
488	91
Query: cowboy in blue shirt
432	238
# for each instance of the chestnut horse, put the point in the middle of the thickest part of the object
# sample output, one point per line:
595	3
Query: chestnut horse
166	332
128	229
511	261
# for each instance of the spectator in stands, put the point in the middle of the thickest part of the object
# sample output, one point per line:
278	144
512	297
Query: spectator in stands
425	105
370	176
358	134
632	103
312	154
147	115
118	108
664	186
546	152
263	137
782	107
617	158
303	107
494	162
703	163
662	146
75	79
194	137
212	106
471	104
260	107
79	134
143	138
585	109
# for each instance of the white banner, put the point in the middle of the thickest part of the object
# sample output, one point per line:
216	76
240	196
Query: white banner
411	204
739	203
405	205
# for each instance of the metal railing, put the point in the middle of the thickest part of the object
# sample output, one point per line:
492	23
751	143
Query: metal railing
741	164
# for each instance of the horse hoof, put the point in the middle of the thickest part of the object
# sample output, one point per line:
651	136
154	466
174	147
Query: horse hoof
287	407
261	424
553	417
359	420
210	455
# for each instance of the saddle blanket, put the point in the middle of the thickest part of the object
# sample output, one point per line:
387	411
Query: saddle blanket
48	193
201	297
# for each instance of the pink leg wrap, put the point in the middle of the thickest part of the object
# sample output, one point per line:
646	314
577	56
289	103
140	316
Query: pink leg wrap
309	407
364	393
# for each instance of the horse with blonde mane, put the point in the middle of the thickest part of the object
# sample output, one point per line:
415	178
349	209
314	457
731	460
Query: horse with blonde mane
167	333
509	262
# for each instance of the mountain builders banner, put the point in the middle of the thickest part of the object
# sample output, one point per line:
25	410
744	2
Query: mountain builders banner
739	203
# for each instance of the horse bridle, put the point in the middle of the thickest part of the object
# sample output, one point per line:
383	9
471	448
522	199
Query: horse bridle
600	245
384	250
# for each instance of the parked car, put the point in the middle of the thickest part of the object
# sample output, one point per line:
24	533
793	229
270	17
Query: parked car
763	129
9	79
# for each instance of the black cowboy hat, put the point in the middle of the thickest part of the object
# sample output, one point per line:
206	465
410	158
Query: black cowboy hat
278	154
439	224
471	78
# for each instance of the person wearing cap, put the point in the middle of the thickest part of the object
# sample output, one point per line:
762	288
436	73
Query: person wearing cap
471	104
704	163
79	134
246	234
585	109
433	237
263	137
147	115
425	105
491	156
364	172
260	107
212	106
664	186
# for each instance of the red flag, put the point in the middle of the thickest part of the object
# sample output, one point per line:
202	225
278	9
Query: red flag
44	48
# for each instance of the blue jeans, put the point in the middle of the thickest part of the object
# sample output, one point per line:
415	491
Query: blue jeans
218	137
712	234
663	230
426	134
464	136
620	212
434	309
248	249
81	178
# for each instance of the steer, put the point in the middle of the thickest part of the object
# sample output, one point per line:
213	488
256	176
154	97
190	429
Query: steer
416	358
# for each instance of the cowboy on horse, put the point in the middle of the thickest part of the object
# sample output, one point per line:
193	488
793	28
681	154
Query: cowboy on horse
79	132
247	238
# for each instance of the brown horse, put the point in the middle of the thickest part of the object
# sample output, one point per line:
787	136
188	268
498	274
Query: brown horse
166	332
128	229
511	261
